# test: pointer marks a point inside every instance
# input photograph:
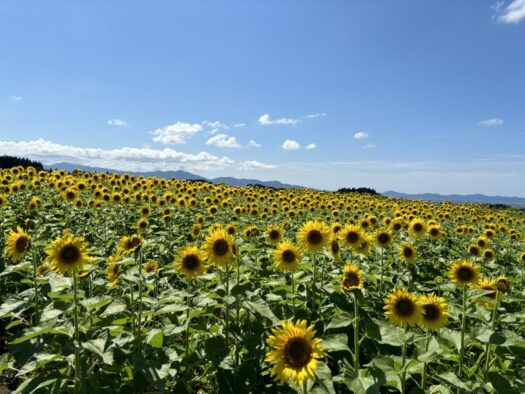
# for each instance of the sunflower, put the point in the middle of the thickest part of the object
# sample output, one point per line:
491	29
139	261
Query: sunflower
503	284
150	267
128	244
474	250
142	225
274	234
43	268
491	285
313	236
417	228
407	253
522	258
352	278
68	253
350	236
17	244
364	246
383	238
113	269
190	261
434	231
296	352
464	272
219	247
403	308
286	257
435	312
335	249
489	254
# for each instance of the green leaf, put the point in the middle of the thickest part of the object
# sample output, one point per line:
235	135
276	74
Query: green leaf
500	384
263	310
155	338
38	331
216	349
336	343
117	306
341	319
452	379
363	385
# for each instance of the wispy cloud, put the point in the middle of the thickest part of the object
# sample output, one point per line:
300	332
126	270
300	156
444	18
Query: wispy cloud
291	145
360	135
512	13
223	141
126	158
253	144
316	115
237	125
265	120
117	122
369	146
255	165
176	133
491	122
15	98
310	146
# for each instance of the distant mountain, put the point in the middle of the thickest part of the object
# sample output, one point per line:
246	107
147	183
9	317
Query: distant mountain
458	198
179	174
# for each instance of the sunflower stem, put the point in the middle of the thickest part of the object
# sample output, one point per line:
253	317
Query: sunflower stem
487	346
424	374
381	274
305	386
227	317
321	287
77	336
35	283
293	294
237	316
139	312
188	305
356	334
403	362
463	323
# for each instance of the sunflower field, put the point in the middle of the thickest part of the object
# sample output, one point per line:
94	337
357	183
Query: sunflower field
118	283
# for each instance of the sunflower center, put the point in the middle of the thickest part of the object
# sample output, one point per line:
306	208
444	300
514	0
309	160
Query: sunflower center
431	312
297	352
314	237
408	252
220	247
418	227
288	256
383	238
465	274
335	247
21	244
351	279
352	237
69	254
274	234
434	231
191	262
405	307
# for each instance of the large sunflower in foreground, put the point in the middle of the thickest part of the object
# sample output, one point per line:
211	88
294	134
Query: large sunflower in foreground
218	247
313	236
352	278
464	272
17	244
435	312
68	253
191	261
286	257
295	352
403	308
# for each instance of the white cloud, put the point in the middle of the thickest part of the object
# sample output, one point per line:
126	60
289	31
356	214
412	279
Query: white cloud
253	144
369	146
126	158
223	141
360	135
310	146
236	125
266	121
291	145
316	115
512	13
117	122
255	165
176	133
491	122
15	98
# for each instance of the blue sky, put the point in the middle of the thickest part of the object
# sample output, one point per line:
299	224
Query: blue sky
405	95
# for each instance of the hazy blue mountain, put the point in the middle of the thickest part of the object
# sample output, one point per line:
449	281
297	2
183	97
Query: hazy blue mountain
459	198
179	174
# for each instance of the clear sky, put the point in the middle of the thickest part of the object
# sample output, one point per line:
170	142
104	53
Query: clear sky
412	96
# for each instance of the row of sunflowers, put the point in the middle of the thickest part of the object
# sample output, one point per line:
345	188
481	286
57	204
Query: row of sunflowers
120	283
